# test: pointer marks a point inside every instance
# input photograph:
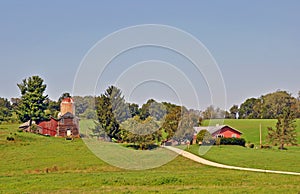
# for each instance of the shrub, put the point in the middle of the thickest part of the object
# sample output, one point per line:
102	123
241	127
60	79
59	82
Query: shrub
251	145
203	136
232	141
10	138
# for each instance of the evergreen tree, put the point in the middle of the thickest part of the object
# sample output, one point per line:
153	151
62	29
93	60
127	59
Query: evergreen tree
285	131
33	102
111	111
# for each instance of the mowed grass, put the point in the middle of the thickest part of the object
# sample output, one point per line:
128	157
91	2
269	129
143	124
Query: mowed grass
270	159
36	163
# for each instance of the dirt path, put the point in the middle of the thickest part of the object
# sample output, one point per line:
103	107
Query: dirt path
214	164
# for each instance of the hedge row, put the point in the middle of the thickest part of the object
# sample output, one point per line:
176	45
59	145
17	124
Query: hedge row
232	141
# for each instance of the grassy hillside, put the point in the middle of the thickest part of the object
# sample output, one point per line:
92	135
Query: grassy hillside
36	163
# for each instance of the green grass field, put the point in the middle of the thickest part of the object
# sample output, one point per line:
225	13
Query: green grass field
270	159
36	163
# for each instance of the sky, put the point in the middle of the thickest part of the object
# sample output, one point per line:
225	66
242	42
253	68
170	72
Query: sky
255	45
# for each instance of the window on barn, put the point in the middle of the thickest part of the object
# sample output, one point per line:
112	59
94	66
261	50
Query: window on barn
233	135
220	135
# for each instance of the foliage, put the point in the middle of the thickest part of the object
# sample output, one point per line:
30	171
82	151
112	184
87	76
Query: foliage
268	106
53	108
81	104
285	131
5	110
232	141
233	111
111	111
134	109
154	109
143	133
172	119
33	101
273	104
90	114
213	113
185	130
248	109
204	137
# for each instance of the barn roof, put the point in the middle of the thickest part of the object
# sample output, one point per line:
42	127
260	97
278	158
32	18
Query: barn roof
214	129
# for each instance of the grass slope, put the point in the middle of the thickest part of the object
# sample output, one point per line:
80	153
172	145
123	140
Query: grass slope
35	163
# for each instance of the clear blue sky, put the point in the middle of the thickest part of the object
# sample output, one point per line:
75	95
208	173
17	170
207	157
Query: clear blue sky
255	43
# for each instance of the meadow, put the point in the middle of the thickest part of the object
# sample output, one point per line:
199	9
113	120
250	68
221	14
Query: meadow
34	163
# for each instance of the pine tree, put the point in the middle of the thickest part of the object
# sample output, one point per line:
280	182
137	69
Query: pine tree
111	111
33	101
285	131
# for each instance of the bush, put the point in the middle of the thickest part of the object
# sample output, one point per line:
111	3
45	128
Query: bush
10	138
251	145
232	141
204	136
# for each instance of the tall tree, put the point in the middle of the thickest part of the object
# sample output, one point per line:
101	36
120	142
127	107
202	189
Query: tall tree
111	111
285	131
33	101
273	104
171	122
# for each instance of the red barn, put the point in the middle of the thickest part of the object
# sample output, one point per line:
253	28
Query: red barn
67	124
220	131
49	127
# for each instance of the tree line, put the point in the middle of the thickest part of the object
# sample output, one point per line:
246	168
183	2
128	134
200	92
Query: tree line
267	106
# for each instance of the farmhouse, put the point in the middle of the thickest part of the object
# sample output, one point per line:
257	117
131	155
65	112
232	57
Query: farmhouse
220	131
